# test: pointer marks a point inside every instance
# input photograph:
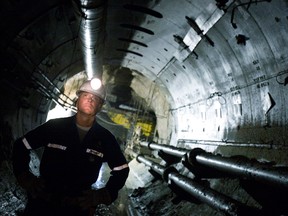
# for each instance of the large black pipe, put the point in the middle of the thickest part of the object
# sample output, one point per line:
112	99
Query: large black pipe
156	167
178	152
212	198
240	166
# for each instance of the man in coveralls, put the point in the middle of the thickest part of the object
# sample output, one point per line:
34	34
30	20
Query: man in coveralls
74	149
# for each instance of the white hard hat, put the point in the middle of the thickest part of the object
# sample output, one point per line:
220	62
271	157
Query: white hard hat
93	86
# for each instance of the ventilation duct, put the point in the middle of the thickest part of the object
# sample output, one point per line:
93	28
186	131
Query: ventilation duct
91	16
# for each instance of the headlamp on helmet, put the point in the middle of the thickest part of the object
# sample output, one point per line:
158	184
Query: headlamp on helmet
93	86
95	83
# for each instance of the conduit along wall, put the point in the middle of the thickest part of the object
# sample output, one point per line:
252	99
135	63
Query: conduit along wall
204	165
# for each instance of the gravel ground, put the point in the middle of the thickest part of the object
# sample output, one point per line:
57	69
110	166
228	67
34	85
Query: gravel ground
13	197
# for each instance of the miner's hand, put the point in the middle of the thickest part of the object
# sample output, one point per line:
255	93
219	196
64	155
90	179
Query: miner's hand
33	184
92	198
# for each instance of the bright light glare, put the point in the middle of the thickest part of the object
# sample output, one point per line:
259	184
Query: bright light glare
95	83
58	112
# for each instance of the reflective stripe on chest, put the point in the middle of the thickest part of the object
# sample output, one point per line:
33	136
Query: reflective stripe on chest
88	150
94	152
57	146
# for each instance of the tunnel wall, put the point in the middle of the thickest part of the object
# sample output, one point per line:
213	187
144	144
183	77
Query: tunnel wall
233	91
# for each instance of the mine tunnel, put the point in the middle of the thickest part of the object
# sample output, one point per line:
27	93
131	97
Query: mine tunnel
196	97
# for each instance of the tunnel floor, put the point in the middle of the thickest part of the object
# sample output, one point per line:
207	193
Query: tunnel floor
13	197
156	199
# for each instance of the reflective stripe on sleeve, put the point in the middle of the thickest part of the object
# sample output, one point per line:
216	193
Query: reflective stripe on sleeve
24	140
120	167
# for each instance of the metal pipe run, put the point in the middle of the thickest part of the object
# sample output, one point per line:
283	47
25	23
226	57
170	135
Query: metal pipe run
156	167
212	198
240	166
92	16
178	152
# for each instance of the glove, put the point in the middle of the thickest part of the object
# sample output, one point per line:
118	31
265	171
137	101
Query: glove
32	184
92	198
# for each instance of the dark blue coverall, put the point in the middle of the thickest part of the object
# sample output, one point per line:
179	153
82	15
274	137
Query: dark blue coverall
69	166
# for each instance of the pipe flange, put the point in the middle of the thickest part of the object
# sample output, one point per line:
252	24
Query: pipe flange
139	155
148	145
167	171
193	154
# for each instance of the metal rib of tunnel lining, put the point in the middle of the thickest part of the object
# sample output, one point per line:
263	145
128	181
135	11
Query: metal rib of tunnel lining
91	16
133	41
138	28
129	51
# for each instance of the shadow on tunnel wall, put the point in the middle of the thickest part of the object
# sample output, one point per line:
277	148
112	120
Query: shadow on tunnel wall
118	86
272	199
6	139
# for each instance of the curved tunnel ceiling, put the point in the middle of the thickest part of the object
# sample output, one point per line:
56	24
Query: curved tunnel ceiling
219	64
213	73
